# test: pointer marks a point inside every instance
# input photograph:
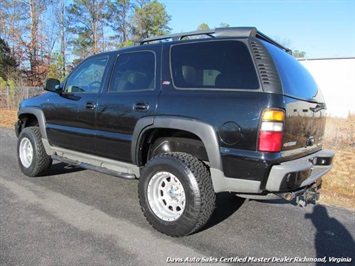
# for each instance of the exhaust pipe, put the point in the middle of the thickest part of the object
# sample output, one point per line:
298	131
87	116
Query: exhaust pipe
287	196
304	196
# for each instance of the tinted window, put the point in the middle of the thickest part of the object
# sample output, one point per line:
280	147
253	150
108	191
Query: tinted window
213	65
87	77
295	78
133	72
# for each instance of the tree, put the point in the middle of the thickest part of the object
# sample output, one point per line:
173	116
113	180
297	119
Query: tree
27	27
36	53
287	43
224	25
62	26
203	26
56	68
37	31
118	19
86	18
7	69
142	3
299	54
150	20
13	15
7	61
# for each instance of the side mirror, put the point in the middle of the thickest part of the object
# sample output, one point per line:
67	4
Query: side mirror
52	85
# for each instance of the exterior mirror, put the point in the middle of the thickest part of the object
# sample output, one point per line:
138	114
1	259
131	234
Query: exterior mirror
52	85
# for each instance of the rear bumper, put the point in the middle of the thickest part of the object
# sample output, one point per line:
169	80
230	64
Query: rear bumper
296	174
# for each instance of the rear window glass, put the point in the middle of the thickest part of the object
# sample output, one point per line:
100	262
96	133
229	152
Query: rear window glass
295	78
213	65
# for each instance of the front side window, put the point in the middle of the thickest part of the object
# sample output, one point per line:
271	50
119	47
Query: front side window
213	65
88	77
133	71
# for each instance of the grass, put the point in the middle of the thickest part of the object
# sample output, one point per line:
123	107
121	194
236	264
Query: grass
338	185
8	118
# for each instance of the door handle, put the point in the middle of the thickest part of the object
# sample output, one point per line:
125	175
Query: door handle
90	105
141	107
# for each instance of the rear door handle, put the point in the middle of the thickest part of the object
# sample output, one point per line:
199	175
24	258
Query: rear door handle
90	105
141	107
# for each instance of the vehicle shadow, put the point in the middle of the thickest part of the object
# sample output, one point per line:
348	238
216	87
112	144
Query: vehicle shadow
226	205
332	239
62	168
281	201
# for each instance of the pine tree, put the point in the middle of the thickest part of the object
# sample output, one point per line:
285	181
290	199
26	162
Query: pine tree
150	20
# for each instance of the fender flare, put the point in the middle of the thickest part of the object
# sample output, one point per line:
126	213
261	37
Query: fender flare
38	113
203	130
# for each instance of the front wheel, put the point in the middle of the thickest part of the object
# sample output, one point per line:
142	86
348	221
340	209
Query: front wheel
32	157
176	193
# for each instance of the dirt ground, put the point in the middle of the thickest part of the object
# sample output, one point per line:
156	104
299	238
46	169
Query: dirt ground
8	118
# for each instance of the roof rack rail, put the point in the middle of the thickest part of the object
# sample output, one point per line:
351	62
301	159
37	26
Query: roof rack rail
215	33
175	37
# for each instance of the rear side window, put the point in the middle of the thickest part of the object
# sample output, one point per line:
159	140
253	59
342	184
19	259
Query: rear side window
134	71
213	65
296	80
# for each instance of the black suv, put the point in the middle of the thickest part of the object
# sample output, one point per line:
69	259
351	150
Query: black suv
190	115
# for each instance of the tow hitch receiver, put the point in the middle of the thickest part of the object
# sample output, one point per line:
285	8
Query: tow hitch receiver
311	195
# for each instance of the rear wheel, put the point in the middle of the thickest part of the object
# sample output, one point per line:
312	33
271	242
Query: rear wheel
176	193
32	157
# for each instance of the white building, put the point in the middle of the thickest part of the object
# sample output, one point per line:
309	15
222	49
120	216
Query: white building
336	78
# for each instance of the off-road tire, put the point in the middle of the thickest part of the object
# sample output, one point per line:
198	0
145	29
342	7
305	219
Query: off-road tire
193	178
32	157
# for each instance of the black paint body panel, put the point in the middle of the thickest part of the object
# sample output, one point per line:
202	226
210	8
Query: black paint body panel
109	129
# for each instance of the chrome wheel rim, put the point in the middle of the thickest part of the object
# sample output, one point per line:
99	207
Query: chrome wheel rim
166	196
26	152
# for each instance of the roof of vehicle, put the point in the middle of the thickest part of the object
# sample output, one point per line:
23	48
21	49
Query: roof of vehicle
215	33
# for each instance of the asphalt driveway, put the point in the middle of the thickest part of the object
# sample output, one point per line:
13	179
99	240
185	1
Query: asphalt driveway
80	217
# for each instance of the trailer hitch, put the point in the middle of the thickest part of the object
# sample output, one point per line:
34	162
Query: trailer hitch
311	195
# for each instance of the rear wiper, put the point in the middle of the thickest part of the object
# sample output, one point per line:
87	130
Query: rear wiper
319	106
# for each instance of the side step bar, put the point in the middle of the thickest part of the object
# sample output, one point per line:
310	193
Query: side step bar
94	168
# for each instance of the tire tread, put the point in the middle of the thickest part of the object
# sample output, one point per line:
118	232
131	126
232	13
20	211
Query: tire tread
42	161
206	197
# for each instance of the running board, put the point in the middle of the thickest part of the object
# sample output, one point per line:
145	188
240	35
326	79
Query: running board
94	168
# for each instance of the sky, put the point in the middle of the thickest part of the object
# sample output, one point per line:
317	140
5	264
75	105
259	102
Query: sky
321	28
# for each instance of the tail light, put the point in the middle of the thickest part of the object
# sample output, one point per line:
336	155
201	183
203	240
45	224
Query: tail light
271	129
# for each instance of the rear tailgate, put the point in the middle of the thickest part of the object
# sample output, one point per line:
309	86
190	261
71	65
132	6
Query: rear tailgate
304	106
304	126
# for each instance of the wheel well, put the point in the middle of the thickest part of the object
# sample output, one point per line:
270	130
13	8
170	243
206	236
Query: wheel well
28	120
161	140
